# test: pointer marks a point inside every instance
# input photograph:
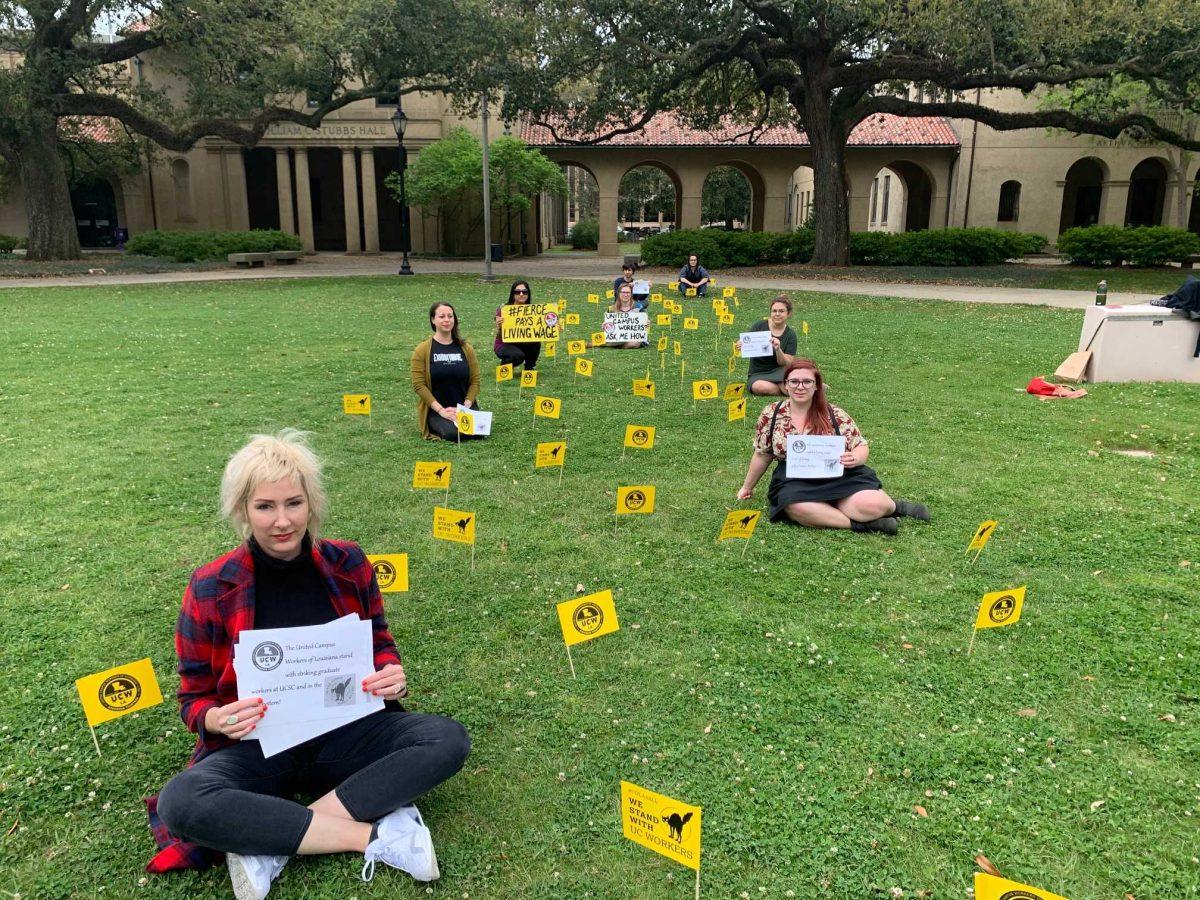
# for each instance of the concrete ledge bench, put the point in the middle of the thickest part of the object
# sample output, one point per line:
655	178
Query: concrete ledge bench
634	260
285	257
1189	261
254	260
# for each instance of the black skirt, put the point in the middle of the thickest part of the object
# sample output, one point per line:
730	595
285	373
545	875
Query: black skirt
785	491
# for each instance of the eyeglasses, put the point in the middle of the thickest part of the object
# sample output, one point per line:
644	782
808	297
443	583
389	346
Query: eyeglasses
520	291
806	383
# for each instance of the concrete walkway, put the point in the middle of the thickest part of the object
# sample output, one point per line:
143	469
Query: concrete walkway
582	267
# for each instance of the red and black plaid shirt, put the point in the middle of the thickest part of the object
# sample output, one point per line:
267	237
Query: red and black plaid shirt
218	606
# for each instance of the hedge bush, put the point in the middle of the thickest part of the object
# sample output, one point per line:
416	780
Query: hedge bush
946	247
585	235
8	243
195	246
1108	245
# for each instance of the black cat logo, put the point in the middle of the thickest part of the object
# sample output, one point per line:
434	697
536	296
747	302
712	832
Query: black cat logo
675	823
746	520
554	452
1002	608
339	690
438	473
362	401
462	524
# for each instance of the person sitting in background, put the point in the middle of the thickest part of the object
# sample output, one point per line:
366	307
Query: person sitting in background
365	774
445	373
624	303
855	499
765	373
524	354
693	275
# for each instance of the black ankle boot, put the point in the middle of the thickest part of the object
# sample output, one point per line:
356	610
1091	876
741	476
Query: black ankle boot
883	525
912	510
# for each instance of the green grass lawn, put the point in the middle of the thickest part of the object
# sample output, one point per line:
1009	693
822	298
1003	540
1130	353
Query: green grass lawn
809	694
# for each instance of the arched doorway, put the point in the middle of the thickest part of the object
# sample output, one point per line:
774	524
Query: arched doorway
1147	189
1082	190
1194	213
916	197
647	200
800	197
94	204
581	204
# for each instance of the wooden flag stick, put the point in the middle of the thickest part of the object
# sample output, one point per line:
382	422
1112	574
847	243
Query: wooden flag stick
571	661
560	471
95	740
697	884
662	361
976	556
971	646
472	556
745	547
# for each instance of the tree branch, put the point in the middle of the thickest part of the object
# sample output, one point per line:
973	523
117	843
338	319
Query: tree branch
1014	121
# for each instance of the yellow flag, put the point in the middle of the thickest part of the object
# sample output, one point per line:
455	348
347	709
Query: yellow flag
643	387
690	292
726	318
677	307
583	366
712	280
730	365
739	523
572	318
529	378
549	453
391	571
663	319
608	295
691	324
704	390
718	305
574	348
672	285
114	692
737	410
982	535
1000	608
562	304
733	390
662	344
804	328
663	825
453	525
989	887
727	292
465	421
356	404
656	298
550	350
599	339
504	372
547	407
678	347
637	498
639	437
593	298
587	617
431	475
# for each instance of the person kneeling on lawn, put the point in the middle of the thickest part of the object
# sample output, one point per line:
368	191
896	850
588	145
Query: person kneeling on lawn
855	499
364	775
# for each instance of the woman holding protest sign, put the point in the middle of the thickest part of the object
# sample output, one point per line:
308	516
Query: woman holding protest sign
445	373
855	499
765	373
365	774
523	354
624	303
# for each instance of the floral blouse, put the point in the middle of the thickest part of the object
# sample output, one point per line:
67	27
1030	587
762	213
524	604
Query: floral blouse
776	444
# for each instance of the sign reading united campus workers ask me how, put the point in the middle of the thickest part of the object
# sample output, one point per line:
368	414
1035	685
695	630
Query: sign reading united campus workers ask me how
114	692
587	617
529	322
622	327
391	571
664	825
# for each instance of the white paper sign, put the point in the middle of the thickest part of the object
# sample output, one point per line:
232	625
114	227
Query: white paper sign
756	343
622	327
310	678
815	455
483	420
640	287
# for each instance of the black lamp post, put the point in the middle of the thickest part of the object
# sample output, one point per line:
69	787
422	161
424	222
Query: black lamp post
399	123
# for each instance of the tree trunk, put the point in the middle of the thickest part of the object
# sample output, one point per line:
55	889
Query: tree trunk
43	178
831	202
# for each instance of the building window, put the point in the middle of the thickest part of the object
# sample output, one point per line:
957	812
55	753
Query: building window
887	195
874	199
1010	202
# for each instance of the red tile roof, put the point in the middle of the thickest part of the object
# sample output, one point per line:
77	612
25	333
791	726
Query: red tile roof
666	130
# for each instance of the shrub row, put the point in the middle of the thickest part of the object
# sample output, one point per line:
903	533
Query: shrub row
8	243
1108	245
945	247
585	235
194	246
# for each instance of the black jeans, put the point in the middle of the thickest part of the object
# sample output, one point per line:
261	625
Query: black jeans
520	354
447	429
236	801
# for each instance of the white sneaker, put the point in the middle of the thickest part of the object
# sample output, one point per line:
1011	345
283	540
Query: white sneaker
252	875
403	842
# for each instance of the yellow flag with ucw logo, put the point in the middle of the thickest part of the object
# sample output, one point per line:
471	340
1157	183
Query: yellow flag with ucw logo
574	348
583	366
587	618
990	887
704	390
634	499
504	372
529	378
431	475
114	692
1000	608
639	437
547	407
661	824
391	571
